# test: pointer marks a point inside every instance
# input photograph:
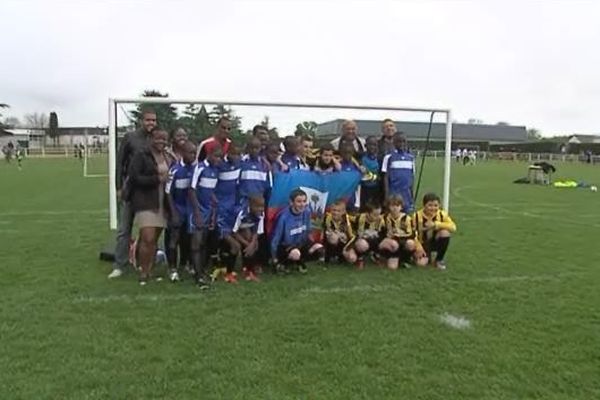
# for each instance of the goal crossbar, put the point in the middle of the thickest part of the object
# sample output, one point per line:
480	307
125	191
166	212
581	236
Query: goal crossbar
112	132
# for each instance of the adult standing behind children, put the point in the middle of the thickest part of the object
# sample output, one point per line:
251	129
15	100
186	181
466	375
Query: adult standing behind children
386	142
148	174
219	139
350	135
131	143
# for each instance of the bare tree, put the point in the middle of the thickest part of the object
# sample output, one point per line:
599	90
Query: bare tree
12	122
36	120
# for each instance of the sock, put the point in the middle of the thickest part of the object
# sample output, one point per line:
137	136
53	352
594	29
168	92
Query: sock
441	245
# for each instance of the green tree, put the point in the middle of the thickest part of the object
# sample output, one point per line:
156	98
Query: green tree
53	127
195	120
534	134
306	128
166	114
2	105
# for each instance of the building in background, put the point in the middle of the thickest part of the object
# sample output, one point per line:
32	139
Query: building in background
478	135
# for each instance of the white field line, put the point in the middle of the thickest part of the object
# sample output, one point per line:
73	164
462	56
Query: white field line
316	290
125	298
483	218
50	212
455	321
457	193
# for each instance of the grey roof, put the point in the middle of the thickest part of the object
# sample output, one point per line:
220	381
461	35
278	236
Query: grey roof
418	130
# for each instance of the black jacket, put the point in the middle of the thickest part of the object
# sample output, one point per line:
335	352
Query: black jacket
143	182
131	143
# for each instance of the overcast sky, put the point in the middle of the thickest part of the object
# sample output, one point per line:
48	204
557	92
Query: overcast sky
528	63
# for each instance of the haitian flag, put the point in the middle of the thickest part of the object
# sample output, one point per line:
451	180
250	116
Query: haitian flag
322	190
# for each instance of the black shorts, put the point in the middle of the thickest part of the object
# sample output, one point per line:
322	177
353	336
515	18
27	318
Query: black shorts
283	252
373	243
370	194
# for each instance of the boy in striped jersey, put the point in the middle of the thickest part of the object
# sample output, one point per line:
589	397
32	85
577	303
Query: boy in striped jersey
433	227
370	227
254	176
248	232
338	235
398	169
227	206
400	240
177	187
203	218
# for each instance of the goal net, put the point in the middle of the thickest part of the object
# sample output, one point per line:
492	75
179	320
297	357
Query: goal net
428	130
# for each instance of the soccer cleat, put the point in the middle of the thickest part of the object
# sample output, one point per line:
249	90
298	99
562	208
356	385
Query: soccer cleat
360	264
174	276
143	281
302	268
441	265
281	269
217	273
202	283
231	277
115	273
250	276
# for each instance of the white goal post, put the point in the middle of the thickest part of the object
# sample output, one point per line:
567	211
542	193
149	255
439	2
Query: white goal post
112	133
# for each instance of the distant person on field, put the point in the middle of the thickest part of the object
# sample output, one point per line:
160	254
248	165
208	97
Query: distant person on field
219	139
398	170
148	174
465	156
433	227
130	144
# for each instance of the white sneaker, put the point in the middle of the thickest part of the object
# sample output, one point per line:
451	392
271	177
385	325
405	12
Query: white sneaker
174	276
117	272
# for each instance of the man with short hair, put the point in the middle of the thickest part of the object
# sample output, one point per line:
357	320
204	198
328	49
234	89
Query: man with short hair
350	135
386	142
131	143
219	139
262	133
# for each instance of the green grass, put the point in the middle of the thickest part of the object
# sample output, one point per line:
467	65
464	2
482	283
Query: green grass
523	268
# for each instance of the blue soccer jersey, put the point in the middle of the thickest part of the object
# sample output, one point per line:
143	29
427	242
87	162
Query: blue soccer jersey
399	170
291	160
204	182
178	185
372	166
227	195
254	179
247	221
291	230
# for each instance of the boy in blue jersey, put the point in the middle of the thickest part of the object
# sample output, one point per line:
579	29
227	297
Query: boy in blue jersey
398	169
177	187
247	237
349	163
203	217
254	176
370	188
291	156
227	196
290	242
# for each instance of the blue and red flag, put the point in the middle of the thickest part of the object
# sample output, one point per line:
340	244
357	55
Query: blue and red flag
322	190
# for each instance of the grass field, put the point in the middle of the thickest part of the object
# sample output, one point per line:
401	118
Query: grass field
523	277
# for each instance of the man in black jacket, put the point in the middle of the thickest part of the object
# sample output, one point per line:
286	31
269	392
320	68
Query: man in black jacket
131	143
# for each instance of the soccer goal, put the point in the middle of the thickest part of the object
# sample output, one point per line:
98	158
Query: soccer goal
95	156
442	128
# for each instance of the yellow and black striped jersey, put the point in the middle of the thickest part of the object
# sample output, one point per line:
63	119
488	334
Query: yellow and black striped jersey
369	229
440	219
399	228
343	227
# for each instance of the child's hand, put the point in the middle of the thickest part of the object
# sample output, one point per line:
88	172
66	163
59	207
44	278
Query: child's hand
429	225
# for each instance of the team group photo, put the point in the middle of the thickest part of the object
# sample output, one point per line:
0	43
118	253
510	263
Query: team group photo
257	199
